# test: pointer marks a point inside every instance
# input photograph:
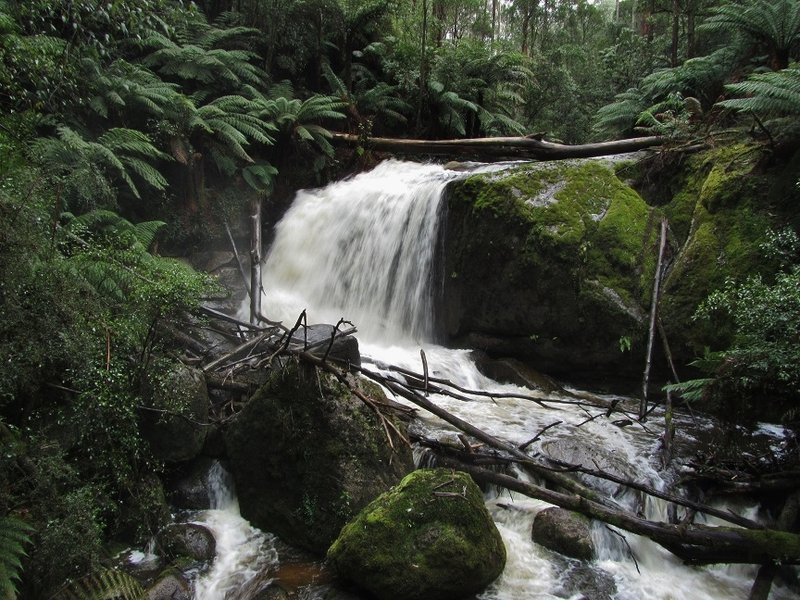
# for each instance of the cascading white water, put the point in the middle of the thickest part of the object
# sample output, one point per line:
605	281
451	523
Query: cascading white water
245	555
363	249
360	249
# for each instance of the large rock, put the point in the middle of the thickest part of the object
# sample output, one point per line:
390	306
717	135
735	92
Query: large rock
307	455
565	532
430	538
720	217
551	262
171	585
179	398
190	540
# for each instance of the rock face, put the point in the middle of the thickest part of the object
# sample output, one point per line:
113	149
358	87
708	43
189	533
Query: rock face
720	212
551	262
307	455
181	391
565	532
430	538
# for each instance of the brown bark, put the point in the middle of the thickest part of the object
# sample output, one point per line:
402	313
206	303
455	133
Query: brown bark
499	148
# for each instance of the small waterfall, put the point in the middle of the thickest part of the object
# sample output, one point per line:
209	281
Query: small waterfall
361	249
245	555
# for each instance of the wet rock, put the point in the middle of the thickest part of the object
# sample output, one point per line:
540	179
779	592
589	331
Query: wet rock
548	263
317	337
565	532
190	540
582	580
430	537
211	260
170	586
272	591
178	434
591	456
516	372
189	486
307	455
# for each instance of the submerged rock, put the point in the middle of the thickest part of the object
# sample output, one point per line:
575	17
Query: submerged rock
430	538
565	532
307	455
551	262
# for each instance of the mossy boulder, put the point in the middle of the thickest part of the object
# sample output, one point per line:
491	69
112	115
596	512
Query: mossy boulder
429	538
307	455
551	262
723	210
179	398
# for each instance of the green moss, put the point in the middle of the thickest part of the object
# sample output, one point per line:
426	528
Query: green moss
721	207
428	535
730	179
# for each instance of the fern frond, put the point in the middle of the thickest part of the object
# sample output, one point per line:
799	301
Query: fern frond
620	116
14	536
770	94
105	584
691	390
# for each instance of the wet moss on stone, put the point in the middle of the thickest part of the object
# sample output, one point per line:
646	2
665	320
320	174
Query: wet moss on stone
429	537
566	247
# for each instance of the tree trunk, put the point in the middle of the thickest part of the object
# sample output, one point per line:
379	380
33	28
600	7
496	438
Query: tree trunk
255	259
499	148
697	544
676	16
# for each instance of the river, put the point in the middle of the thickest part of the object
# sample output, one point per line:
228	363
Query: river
363	249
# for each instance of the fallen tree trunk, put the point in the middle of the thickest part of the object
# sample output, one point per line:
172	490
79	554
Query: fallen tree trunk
499	148
697	544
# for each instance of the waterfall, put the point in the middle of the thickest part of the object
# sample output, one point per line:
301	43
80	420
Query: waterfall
363	249
245	555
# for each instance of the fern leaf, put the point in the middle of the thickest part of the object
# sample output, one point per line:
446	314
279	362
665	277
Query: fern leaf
776	93
691	390
14	536
105	584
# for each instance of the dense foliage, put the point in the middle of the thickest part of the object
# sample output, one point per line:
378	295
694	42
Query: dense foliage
122	120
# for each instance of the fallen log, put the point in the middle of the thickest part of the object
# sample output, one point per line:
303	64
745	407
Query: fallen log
499	148
698	544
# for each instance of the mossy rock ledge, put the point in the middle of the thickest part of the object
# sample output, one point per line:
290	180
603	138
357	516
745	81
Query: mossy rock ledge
429	538
306	455
551	263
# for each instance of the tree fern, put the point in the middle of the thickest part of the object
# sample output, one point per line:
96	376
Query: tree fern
105	584
117	153
14	536
767	94
619	117
774	24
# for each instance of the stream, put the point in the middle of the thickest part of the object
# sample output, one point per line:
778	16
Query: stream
363	249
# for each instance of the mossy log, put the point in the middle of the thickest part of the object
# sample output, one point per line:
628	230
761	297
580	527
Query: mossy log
695	544
499	148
